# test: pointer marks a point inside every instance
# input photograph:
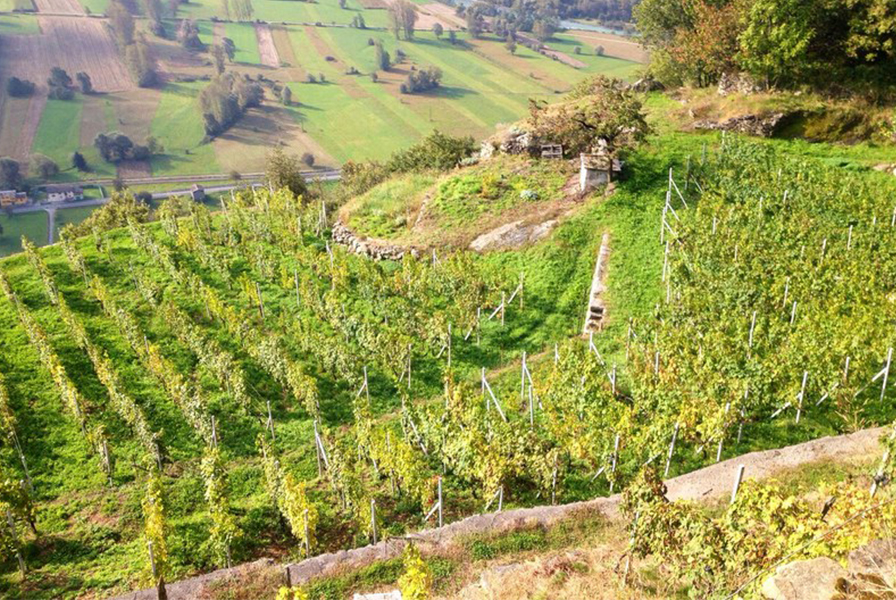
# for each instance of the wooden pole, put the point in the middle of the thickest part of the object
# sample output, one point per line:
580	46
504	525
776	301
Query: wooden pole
671	450
440	502
737	481
373	519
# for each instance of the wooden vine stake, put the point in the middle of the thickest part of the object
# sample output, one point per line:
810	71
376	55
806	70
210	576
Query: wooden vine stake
737	481
671	450
15	540
373	519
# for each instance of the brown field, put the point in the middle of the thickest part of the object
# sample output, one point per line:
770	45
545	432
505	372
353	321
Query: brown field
21	116
132	169
373	4
62	7
266	47
616	46
93	119
564	58
283	44
445	13
134	112
245	146
430	14
498	54
73	44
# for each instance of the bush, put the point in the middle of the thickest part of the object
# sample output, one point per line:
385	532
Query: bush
19	88
308	159
43	166
422	80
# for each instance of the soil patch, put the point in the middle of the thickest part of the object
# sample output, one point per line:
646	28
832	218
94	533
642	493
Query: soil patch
266	47
65	7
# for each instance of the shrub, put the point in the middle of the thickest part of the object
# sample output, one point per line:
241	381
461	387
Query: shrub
19	88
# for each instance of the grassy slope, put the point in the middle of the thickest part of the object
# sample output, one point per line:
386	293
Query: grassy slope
178	126
32	225
59	132
243	36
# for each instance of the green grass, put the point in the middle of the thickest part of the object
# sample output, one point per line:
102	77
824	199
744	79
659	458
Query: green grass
178	125
614	67
59	132
18	24
243	36
95	7
382	211
32	225
66	216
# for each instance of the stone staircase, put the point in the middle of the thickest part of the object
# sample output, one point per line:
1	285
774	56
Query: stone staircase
596	312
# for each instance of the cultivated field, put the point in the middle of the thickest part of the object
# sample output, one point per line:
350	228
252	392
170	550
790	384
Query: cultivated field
483	84
75	44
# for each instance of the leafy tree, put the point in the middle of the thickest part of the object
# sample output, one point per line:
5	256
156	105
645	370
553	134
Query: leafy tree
452	37
475	25
402	18
435	151
229	48
543	30
511	45
141	62
284	171
84	82
226	99
382	59
10	174
308	159
599	50
220	56
775	44
122	22
44	166
438	30
19	88
59	78
188	35
422	80
286	96
599	108
79	162
153	11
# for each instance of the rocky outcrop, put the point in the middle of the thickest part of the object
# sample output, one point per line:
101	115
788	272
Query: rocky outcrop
886	168
816	579
512	235
371	248
738	83
647	84
755	125
511	141
870	574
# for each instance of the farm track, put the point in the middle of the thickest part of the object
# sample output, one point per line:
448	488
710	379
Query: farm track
266	47
711	483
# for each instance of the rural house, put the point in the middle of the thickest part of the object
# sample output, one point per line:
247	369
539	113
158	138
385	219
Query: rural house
197	193
64	193
9	198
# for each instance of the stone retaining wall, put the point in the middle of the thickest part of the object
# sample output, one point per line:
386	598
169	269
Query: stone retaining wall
371	248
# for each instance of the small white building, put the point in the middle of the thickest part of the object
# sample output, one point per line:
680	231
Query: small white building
597	168
64	193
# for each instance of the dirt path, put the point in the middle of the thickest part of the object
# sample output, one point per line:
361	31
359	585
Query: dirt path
266	47
711	483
